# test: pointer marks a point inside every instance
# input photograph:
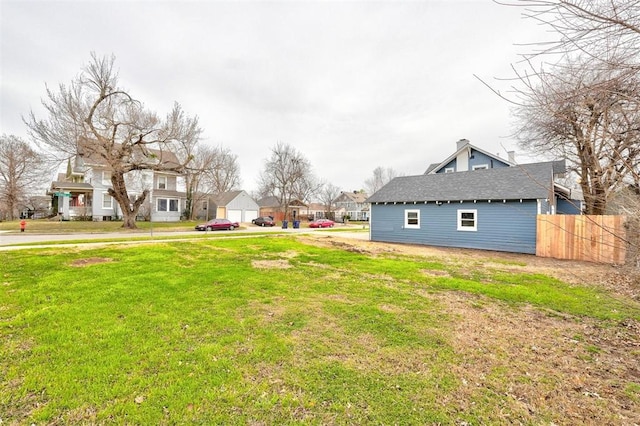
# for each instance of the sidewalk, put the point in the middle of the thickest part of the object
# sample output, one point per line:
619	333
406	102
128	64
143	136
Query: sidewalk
14	241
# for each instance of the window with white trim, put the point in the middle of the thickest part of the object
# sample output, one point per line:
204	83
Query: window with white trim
449	170
412	219
480	167
162	182
467	220
107	201
168	205
106	177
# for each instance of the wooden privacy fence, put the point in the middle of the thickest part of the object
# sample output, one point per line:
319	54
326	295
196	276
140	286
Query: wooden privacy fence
591	238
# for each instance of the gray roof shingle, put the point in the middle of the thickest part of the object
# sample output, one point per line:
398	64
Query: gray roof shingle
225	198
527	181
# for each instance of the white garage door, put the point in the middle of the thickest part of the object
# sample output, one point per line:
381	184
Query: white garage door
234	215
249	215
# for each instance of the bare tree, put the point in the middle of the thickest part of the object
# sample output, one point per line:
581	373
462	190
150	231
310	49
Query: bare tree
327	195
381	176
285	175
585	105
22	173
212	170
606	30
223	173
94	117
589	115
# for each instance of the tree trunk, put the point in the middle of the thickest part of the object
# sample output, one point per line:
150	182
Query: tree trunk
128	220
119	193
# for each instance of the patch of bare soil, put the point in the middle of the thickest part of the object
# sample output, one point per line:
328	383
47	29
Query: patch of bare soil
271	264
618	280
544	366
541	365
90	261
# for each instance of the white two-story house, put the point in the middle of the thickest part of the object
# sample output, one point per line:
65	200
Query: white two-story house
82	192
353	205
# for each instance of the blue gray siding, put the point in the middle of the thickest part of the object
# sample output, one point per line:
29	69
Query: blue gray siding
451	164
509	226
478	159
568	206
481	159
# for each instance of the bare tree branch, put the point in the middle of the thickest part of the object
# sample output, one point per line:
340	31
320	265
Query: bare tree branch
95	119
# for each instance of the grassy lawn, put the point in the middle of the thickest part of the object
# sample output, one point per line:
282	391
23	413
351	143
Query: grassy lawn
54	226
44	226
271	330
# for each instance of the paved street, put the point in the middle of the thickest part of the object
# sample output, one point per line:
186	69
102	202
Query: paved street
12	240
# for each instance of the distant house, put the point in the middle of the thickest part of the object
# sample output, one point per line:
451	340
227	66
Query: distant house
318	211
270	206
237	206
491	208
82	192
353	204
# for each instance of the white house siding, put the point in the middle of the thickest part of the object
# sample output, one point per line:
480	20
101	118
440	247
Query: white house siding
172	200
243	204
99	192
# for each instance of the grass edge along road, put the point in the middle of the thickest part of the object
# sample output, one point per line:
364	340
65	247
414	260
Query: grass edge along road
276	330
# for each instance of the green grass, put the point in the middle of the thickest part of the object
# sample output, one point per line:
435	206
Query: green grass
186	332
74	226
44	226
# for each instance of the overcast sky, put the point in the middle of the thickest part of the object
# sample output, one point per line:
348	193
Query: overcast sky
351	85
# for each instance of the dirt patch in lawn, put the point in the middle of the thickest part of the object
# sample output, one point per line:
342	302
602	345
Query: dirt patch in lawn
271	264
90	261
619	280
542	365
535	365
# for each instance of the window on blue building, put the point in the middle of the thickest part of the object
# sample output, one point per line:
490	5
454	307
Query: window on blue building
412	219
467	220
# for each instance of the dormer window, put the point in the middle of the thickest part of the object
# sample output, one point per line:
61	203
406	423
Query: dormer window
162	182
480	167
449	170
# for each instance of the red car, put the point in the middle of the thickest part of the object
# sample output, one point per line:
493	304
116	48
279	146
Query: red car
215	224
322	223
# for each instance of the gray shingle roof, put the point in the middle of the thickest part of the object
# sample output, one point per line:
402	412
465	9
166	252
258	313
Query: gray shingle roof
225	198
70	185
527	181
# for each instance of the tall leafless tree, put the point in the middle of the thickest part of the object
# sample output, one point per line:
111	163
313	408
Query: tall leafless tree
327	196
223	173
22	174
212	170
285	176
580	101
381	176
603	30
95	117
590	115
